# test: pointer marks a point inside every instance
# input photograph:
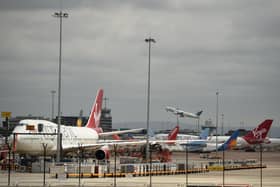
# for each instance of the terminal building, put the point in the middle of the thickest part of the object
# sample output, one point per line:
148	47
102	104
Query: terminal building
106	120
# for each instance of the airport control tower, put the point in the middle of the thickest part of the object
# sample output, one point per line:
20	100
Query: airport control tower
106	117
209	124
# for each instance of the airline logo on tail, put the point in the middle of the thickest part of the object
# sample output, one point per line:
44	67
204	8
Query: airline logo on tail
95	114
258	134
230	143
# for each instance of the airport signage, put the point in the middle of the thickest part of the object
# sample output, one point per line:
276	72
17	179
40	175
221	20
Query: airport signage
6	114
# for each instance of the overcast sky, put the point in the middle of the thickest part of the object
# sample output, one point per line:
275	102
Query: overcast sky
201	47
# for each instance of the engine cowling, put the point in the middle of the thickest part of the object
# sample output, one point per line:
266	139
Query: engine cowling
153	147
103	153
156	147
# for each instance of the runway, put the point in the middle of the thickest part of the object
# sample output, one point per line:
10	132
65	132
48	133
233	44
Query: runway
251	177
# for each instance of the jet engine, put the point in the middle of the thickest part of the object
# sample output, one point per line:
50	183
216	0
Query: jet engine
156	147
102	153
153	147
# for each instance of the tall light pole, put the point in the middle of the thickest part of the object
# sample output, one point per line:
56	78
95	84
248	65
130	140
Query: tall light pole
149	41
217	111
59	15
222	124
52	115
198	125
45	150
187	165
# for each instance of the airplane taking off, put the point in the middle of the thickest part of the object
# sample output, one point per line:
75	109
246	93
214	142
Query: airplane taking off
182	113
255	136
31	134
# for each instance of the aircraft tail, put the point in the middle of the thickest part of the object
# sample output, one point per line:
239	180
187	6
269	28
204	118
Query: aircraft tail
199	113
95	114
173	134
204	134
230	143
258	134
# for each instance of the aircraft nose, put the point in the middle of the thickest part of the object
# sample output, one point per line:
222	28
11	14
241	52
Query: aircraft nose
10	139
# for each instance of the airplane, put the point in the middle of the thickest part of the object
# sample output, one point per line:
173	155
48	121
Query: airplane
211	147
270	144
253	137
182	113
30	134
204	135
161	151
172	135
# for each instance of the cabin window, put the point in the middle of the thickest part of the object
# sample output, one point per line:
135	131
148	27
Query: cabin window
30	127
40	127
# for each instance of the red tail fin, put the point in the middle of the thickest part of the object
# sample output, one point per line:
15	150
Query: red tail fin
173	134
258	134
95	114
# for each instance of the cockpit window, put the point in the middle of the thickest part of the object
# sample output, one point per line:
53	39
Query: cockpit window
40	127
30	127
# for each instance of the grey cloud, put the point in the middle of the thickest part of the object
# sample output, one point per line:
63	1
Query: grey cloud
201	47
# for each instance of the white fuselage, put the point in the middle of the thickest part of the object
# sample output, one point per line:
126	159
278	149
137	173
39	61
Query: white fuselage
241	143
270	144
32	143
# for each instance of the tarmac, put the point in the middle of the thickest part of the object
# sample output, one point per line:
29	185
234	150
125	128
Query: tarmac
246	177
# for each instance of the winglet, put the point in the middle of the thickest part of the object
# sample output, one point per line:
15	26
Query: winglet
95	114
258	134
230	143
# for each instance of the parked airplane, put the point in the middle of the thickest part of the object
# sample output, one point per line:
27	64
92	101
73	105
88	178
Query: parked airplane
255	136
161	150
229	144
182	113
192	140
30	134
211	147
204	135
172	135
270	144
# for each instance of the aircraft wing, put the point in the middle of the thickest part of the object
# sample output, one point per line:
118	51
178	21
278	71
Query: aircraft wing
101	143
119	132
109	144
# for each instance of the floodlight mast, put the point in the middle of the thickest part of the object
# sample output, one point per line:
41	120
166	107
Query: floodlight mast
148	40
59	15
